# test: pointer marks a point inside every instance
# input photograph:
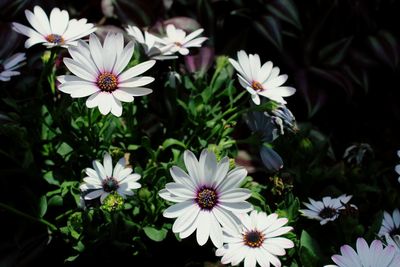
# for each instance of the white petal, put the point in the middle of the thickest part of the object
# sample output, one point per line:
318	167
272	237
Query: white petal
124	58
186	219
116	107
122	96
104	101
94	194
203	227
192	166
42	19
180	190
79	70
234	195
136	82
92	101
107	163
234	178
136	70
137	91
97	51
58	21
178	209
182	177
215	231
99	169
165	194
237	207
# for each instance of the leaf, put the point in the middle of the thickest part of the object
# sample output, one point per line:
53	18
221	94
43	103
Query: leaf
309	250
42	206
334	53
171	142
286	10
154	234
335	77
270	30
55	201
384	46
49	177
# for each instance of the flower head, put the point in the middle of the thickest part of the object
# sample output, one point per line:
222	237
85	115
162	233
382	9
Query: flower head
357	153
8	66
99	73
151	46
57	30
367	256
326	210
103	180
258	240
261	80
390	224
179	41
206	197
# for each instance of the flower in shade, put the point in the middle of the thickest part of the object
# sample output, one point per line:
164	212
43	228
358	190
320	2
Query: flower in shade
8	66
261	80
393	241
151	46
207	197
103	180
58	30
367	256
326	210
99	73
179	41
357	153
397	168
258	241
390	224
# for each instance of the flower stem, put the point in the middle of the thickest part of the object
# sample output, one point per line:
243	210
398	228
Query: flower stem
51	226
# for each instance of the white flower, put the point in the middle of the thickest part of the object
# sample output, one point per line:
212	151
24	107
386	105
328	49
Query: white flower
151	46
103	179
179	41
326	210
257	241
8	66
100	74
397	168
390	224
393	241
365	256
261	80
56	31
208	197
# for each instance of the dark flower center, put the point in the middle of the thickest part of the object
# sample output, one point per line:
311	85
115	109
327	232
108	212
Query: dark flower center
257	86
55	39
110	184
327	212
207	198
178	44
253	239
394	231
107	82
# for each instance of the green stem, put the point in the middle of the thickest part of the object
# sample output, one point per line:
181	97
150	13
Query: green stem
51	226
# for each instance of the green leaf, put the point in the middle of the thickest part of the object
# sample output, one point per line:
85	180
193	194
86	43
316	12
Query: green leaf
286	10
55	201
49	177
42	206
270	29
154	234
171	142
334	53
309	250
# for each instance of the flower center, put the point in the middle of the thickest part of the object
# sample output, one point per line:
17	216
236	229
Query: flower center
55	39
207	198
178	44
257	86
394	231
327	212
110	184
253	239
107	82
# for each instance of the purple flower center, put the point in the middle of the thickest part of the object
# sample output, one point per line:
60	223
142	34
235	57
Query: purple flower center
110	184
327	213
207	198
55	39
107	82
253	239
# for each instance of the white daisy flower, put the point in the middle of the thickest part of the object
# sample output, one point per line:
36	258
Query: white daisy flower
261	80
326	210
393	241
103	179
151	46
8	66
258	241
57	30
99	73
397	168
179	41
367	256
390	224
208	197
